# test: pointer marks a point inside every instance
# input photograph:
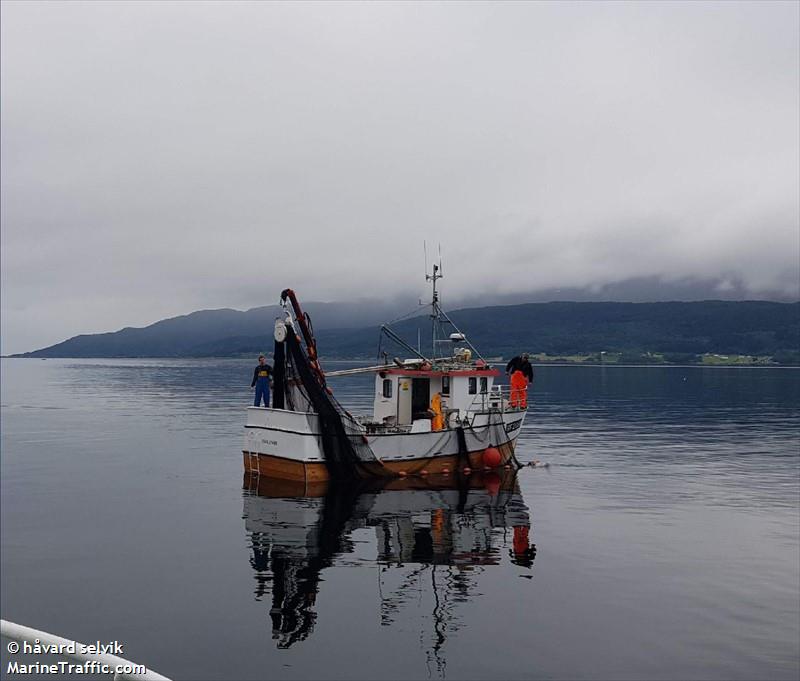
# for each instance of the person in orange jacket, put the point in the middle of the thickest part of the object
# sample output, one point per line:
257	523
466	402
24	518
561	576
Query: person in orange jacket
437	421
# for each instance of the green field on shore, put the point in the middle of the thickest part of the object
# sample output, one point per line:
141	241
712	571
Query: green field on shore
708	359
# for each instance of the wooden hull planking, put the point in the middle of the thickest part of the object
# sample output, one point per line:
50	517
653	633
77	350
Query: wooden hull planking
281	468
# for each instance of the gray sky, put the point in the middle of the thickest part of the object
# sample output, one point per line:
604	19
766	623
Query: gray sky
159	158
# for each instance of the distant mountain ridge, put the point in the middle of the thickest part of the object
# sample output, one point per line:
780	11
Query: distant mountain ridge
197	333
350	330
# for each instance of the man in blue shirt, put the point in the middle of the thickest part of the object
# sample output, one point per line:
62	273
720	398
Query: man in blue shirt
261	379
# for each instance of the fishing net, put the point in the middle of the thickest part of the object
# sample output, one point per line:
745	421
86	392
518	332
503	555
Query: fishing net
299	386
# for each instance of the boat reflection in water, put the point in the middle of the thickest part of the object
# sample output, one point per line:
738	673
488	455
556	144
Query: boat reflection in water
453	527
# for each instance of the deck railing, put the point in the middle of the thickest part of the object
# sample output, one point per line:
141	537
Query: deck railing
496	398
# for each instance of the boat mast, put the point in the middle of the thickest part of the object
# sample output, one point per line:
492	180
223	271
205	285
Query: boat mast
435	309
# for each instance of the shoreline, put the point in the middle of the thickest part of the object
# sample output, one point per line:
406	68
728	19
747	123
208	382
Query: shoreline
555	363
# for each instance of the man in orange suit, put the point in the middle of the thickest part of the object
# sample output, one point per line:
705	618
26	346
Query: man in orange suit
521	373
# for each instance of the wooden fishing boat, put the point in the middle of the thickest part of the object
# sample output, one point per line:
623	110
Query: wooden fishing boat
438	414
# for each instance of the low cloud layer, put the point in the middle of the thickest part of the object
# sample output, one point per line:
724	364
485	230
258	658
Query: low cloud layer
163	157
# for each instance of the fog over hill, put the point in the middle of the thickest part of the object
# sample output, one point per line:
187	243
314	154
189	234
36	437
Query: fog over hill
349	330
555	150
206	328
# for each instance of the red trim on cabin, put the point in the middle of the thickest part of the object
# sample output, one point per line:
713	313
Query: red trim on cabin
413	373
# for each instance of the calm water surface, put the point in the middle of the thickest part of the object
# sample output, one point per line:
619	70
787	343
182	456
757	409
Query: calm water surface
662	542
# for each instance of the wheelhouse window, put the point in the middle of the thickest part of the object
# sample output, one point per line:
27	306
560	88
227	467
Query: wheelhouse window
445	385
484	385
387	387
473	385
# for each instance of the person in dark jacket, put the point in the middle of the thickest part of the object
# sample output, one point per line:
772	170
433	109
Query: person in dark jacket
261	378
521	363
521	373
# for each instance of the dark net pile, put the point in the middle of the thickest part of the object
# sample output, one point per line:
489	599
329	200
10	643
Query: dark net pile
344	445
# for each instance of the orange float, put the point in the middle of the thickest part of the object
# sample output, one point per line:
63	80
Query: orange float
492	457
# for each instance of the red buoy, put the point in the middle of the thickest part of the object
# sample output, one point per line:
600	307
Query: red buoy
491	457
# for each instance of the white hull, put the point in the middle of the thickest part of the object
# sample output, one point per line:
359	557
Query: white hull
295	436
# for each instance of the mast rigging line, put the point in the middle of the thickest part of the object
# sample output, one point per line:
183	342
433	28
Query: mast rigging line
438	316
389	332
466	339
